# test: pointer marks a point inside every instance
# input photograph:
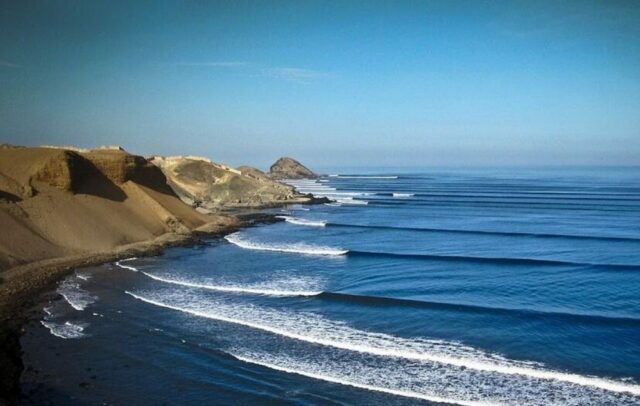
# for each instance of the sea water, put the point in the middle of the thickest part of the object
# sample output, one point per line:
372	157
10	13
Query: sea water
441	287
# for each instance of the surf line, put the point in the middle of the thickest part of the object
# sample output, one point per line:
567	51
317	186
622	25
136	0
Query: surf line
131	268
345	382
580	380
234	289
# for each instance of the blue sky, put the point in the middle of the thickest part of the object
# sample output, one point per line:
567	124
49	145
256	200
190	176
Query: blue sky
331	83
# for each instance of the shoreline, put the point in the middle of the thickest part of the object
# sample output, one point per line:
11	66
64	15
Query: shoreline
22	286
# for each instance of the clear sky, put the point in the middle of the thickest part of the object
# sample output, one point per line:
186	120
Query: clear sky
331	83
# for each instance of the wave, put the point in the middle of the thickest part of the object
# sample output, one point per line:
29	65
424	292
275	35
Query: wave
504	205
297	248
528	314
66	330
351	201
314	329
303	222
491	260
483	232
347	381
131	268
271	289
402	194
77	298
362	177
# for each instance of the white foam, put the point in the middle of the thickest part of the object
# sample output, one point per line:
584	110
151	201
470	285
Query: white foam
66	330
275	288
131	268
402	194
77	298
334	204
297	248
84	277
314	329
363	177
303	222
352	201
310	372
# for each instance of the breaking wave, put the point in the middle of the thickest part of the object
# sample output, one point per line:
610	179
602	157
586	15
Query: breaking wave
131	268
303	222
65	330
485	372
298	248
363	177
77	297
289	287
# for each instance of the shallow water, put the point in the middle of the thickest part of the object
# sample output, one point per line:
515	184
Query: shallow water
463	287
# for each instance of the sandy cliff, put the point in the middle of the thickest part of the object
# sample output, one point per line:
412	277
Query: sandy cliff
58	202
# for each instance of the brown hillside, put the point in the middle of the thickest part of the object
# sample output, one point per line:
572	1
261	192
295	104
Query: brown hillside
57	202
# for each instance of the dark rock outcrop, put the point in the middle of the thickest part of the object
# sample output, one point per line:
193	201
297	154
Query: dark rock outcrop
289	168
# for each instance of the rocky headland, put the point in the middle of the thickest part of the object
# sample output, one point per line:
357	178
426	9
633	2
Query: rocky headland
210	186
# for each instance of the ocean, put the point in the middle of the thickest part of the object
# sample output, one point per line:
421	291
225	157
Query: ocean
465	287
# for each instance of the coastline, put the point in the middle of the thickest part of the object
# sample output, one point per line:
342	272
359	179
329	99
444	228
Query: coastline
23	286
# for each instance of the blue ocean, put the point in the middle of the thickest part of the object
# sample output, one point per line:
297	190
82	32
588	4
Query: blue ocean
466	287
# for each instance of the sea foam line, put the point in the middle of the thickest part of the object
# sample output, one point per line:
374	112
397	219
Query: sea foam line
364	346
77	298
236	239
303	222
327	378
131	268
66	330
363	177
234	289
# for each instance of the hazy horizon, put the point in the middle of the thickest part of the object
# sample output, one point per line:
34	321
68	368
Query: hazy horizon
339	84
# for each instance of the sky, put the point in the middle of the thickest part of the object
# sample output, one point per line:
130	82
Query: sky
378	84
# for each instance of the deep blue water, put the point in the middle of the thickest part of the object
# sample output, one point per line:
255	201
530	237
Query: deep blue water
464	287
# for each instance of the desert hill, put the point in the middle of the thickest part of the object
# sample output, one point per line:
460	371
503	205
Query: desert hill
209	185
60	202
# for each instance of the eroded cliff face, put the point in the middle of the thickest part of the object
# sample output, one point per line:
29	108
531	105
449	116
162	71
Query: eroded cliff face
211	186
58	202
289	168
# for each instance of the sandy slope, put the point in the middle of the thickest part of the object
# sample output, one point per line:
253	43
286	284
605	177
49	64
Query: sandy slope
60	202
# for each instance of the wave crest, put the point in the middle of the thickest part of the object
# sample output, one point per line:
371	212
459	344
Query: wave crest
297	248
315	329
303	222
276	288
